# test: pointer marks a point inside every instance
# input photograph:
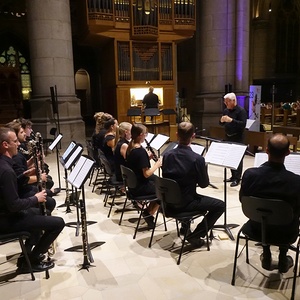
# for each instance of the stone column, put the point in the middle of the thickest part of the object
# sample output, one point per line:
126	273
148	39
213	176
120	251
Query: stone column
50	41
222	48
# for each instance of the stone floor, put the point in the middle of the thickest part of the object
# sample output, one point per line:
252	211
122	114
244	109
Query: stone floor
125	268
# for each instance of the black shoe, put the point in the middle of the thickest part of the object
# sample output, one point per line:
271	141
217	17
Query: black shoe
21	260
285	264
196	242
235	183
148	219
182	231
266	261
36	267
229	179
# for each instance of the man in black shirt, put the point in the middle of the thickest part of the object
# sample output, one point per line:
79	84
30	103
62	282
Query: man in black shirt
272	180
188	169
151	100
234	120
21	214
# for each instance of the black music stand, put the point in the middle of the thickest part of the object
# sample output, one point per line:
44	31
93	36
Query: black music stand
51	147
153	113
227	155
77	178
134	112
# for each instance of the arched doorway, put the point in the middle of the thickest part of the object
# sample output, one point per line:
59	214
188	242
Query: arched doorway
82	85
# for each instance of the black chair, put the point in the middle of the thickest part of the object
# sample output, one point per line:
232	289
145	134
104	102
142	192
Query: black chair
111	182
169	194
20	237
134	112
266	212
140	202
97	168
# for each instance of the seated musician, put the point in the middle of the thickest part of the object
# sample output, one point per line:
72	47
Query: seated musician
121	148
21	214
272	180
23	148
26	170
109	141
138	160
99	132
188	169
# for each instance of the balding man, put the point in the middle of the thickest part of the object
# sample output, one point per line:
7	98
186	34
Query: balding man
234	120
189	170
272	180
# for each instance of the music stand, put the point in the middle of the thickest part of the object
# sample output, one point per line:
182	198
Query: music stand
226	155
77	178
151	112
51	147
134	112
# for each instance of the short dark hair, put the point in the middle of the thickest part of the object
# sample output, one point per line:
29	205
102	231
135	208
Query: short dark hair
278	145
185	132
109	123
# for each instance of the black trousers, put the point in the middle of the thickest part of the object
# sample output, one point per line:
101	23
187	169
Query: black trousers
43	229
238	138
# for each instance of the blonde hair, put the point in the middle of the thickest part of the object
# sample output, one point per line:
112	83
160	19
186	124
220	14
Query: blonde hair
123	126
101	118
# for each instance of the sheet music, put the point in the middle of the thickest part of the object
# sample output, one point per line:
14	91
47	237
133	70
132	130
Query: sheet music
159	141
199	149
73	157
68	150
80	172
260	158
55	142
249	123
149	138
291	162
225	154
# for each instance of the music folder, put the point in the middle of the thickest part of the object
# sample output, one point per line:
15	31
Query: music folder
81	171
55	142
74	156
291	162
228	155
197	148
159	141
149	138
67	152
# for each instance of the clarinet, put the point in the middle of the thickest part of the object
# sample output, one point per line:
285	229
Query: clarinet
154	156
39	178
42	184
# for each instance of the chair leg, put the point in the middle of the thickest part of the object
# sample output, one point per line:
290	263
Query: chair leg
152	234
121	217
295	273
183	241
207	235
24	251
112	202
139	220
235	258
247	251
